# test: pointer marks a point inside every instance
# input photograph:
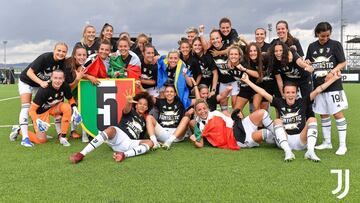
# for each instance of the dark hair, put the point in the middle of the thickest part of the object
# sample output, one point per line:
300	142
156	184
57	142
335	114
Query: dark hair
224	20
169	84
147	97
322	27
148	45
184	40
289	83
258	61
290	38
59	71
284	58
71	61
103	28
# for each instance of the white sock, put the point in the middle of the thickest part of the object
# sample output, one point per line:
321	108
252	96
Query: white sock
23	120
95	143
58	124
312	133
326	129
341	126
267	122
267	136
138	150
280	135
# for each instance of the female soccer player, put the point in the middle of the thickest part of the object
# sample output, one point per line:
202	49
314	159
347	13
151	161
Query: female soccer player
127	139
107	33
294	130
36	75
327	57
88	40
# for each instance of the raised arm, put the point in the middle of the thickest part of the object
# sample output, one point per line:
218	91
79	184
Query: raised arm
321	88
256	88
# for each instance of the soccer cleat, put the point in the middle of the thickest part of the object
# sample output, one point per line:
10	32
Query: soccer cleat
76	157
64	142
341	151
14	132
75	135
26	142
119	156
289	156
311	156
324	145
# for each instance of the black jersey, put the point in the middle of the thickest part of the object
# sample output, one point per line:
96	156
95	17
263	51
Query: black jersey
212	102
265	47
324	58
230	38
237	73
207	65
90	50
192	64
133	125
289	43
43	66
171	72
223	69
170	114
292	71
293	117
148	72
48	97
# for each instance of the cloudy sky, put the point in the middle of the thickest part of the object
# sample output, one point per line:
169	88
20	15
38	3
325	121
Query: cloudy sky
31	27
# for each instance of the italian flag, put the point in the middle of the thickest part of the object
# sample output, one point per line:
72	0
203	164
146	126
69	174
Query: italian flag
101	106
218	132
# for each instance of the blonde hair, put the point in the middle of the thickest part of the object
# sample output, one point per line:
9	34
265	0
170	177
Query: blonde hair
84	30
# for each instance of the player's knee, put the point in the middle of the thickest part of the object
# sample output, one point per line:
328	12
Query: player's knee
111	132
41	137
339	115
311	120
278	122
66	109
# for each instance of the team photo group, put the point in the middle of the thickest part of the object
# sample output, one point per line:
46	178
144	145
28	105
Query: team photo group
216	89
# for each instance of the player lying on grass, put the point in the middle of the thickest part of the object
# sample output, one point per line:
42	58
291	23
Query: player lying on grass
50	101
171	125
230	133
126	139
292	130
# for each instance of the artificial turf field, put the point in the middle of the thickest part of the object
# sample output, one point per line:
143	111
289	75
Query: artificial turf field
183	174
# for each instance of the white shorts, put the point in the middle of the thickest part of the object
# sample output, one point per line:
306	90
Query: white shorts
330	102
153	91
235	87
162	134
121	142
249	128
26	89
294	142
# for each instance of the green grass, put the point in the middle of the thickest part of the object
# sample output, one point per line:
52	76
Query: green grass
183	174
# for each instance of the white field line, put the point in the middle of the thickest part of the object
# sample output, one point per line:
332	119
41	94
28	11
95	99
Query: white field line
9	98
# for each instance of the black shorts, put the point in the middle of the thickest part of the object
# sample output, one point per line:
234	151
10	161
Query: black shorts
246	93
270	87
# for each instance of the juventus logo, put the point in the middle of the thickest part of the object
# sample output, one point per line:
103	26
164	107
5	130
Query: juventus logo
339	186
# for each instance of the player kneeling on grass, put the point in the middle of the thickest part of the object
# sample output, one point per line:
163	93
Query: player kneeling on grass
126	139
171	125
230	133
50	101
292	130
